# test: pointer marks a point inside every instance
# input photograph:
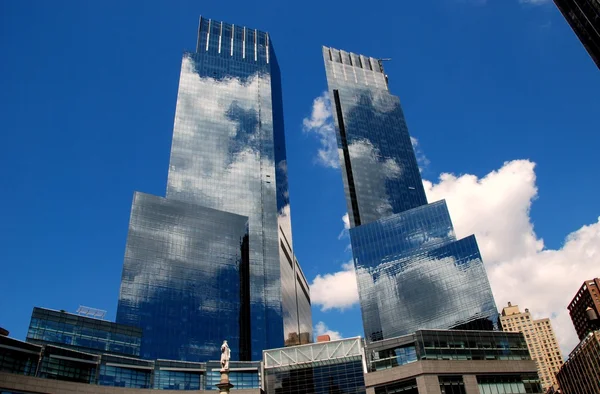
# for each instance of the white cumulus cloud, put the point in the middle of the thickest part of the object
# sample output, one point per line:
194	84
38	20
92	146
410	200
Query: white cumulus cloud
321	123
496	208
335	291
422	160
346	220
322	329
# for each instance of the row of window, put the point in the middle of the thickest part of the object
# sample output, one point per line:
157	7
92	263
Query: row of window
454	384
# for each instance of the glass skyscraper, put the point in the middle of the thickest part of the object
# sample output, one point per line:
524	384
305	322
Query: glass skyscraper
584	18
214	259
412	272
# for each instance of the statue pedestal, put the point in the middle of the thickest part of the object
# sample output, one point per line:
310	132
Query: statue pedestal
224	385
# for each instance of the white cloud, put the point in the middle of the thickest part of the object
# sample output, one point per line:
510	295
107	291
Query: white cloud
335	291
346	220
496	208
422	160
322	329
321	123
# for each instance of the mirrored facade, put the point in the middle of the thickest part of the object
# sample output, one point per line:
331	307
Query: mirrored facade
183	279
412	272
189	282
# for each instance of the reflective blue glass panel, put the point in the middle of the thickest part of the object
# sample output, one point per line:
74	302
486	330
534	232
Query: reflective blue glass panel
223	157
183	278
124	377
412	272
228	154
379	167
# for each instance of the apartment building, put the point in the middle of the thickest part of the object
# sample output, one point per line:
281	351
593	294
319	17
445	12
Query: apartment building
540	339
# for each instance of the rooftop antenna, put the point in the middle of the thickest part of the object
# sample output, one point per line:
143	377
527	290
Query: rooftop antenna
91	312
380	61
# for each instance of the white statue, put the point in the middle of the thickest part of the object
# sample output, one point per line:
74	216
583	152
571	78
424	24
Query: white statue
225	355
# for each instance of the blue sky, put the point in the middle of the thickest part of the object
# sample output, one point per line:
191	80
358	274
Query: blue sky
88	98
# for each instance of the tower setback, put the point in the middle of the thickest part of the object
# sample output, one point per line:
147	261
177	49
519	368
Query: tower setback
412	272
214	259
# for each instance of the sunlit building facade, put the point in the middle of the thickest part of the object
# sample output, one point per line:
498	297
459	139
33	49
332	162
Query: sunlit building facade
541	342
451	362
412	271
214	259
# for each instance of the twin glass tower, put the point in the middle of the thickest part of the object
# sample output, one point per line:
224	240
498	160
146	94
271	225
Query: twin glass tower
214	259
412	272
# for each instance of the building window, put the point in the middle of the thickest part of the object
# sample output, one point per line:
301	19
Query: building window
452	384
509	384
124	377
406	387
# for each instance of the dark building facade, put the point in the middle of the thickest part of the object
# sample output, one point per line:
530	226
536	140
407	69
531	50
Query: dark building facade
214	259
83	333
585	308
584	18
24	365
581	372
412	271
428	361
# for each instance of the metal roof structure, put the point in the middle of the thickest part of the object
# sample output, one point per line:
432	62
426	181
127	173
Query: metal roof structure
320	353
91	312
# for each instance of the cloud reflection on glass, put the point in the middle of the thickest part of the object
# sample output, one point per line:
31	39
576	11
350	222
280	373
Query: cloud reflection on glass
227	159
411	270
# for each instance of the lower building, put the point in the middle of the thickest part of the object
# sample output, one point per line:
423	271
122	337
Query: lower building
83	333
451	362
186	279
581	372
50	369
413	273
426	362
319	368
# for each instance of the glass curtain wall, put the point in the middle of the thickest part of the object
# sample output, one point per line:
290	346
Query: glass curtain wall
411	270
